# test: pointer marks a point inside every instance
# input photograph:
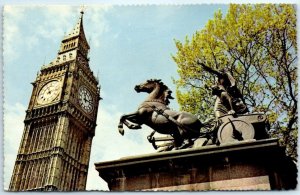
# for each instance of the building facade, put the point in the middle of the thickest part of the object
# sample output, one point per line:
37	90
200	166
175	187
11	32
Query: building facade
60	121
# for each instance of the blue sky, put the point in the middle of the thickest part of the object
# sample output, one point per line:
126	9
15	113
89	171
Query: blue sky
129	44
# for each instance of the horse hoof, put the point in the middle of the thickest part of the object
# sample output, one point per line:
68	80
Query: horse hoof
150	138
121	131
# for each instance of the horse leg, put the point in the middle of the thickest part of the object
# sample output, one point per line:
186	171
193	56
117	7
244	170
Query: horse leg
121	122
130	117
150	137
132	122
120	128
178	140
186	143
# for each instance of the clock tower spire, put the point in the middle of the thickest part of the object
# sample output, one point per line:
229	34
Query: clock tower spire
60	121
75	40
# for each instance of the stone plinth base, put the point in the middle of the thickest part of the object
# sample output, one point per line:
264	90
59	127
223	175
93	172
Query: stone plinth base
255	165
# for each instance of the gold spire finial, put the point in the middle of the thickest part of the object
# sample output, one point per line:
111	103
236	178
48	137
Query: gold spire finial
82	9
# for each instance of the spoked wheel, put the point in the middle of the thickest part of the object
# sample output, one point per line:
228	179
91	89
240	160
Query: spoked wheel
235	130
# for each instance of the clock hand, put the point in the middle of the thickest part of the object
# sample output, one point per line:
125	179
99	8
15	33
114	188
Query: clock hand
90	101
86	100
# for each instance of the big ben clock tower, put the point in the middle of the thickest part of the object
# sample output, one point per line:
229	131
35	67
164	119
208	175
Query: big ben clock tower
60	121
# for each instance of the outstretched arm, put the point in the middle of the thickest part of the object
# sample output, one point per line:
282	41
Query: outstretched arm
208	69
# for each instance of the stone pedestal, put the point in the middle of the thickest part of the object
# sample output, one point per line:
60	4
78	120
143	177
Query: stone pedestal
255	165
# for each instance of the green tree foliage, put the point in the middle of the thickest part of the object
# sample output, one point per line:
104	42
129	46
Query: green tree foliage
257	44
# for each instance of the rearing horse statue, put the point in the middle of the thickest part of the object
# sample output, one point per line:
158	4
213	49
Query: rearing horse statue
155	113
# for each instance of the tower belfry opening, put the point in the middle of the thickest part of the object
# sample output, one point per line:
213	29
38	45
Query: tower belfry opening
75	40
60	121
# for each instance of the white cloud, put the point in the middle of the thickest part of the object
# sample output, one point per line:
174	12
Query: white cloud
14	11
108	144
13	130
11	32
23	30
97	24
56	21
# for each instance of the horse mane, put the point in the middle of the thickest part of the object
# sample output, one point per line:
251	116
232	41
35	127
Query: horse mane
165	88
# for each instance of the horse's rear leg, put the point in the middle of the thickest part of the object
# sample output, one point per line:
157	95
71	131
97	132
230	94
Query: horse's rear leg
120	128
178	140
186	143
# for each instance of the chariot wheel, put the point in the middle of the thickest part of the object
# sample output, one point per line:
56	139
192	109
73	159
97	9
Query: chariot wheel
235	130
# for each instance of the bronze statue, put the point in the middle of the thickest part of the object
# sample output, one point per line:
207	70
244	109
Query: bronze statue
155	113
184	128
229	98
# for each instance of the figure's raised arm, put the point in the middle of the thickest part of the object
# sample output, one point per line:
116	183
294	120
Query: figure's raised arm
208	69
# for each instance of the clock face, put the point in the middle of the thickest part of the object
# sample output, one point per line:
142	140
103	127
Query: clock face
85	99
48	92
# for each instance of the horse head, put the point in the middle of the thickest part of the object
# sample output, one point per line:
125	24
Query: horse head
147	86
157	90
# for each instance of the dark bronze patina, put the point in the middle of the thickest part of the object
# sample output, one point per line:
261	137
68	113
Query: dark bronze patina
184	128
229	98
155	113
